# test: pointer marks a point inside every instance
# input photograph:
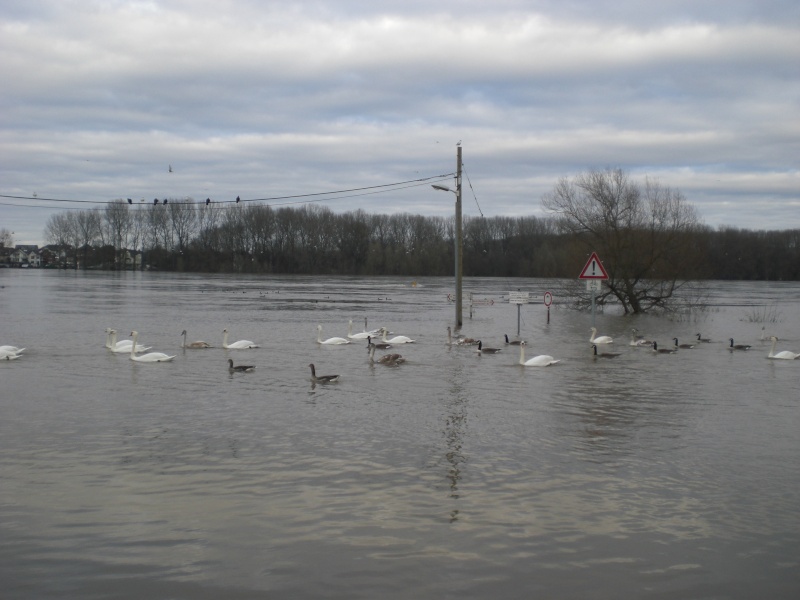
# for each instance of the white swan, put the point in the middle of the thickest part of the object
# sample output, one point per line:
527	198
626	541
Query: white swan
330	341
321	378
386	359
357	336
240	345
150	357
9	356
783	354
193	345
597	354
639	340
123	346
400	339
542	360
459	340
603	339
11	350
373	332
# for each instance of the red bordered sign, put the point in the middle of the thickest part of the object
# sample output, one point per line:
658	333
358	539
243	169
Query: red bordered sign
594	269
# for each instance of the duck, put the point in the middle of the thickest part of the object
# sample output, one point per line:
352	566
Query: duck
379	345
151	356
193	345
542	360
603	339
783	354
663	350
386	359
513	342
684	346
321	378
239	345
597	354
239	368
356	336
639	340
123	346
400	339
329	341
734	346
702	339
482	350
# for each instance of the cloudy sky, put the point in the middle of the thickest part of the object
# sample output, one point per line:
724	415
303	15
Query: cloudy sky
273	99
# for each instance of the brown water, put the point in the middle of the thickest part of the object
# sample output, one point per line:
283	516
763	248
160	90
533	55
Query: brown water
451	476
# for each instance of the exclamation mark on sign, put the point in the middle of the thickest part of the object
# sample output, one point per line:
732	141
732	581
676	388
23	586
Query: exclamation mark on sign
594	264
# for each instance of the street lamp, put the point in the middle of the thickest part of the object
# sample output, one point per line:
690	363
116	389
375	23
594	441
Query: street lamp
458	237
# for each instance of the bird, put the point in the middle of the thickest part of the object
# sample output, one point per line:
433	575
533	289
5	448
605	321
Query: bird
400	339
375	332
239	368
123	346
663	350
379	345
684	346
386	359
542	360
639	340
603	339
513	342
783	354
9	356
193	345
330	341
460	340
12	349
482	350
597	354
734	346
702	339
149	357
321	378
239	345
356	336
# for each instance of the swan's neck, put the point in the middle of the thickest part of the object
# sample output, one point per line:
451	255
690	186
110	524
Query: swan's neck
225	339
113	343
133	346
350	328
521	354
383	337
319	335
772	350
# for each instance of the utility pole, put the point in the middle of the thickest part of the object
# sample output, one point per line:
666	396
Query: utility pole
459	240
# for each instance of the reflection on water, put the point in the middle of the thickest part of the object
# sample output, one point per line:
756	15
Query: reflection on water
450	475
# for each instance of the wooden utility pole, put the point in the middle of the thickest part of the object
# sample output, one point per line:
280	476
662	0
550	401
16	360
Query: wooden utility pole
459	241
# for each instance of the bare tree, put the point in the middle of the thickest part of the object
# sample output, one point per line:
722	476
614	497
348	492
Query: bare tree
6	238
645	234
117	219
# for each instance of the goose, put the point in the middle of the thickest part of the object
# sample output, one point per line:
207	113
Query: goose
386	359
733	346
513	342
11	350
783	354
663	350
684	346
542	360
329	341
379	345
193	345
321	378
240	345
356	336
123	346
639	340
482	350
702	339
597	354
400	339
239	368
151	356
603	339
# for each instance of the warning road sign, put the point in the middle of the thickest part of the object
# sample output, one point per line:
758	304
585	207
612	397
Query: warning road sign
594	269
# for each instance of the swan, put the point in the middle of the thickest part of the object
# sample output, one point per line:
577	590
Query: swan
123	346
193	345
663	350
321	378
9	356
151	356
239	368
702	339
357	336
386	359
459	341
542	360
733	346
603	339
482	350
400	339
374	332
684	346
639	340
11	350
379	345
597	354
513	342
240	345
330	341
783	354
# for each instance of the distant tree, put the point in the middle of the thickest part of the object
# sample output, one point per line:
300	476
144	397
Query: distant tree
646	234
6	239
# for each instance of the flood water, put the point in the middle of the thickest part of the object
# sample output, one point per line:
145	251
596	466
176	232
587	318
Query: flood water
453	475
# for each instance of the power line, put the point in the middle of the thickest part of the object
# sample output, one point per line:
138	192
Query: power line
471	188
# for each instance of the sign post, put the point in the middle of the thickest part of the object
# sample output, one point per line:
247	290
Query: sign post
593	274
518	298
548	300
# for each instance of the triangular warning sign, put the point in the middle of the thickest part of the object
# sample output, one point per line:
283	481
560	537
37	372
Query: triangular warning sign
594	269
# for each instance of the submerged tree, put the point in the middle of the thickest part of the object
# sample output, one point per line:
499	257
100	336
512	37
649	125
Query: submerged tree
647	235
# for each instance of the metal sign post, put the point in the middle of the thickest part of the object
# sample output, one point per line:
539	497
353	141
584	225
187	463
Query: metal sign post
518	298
